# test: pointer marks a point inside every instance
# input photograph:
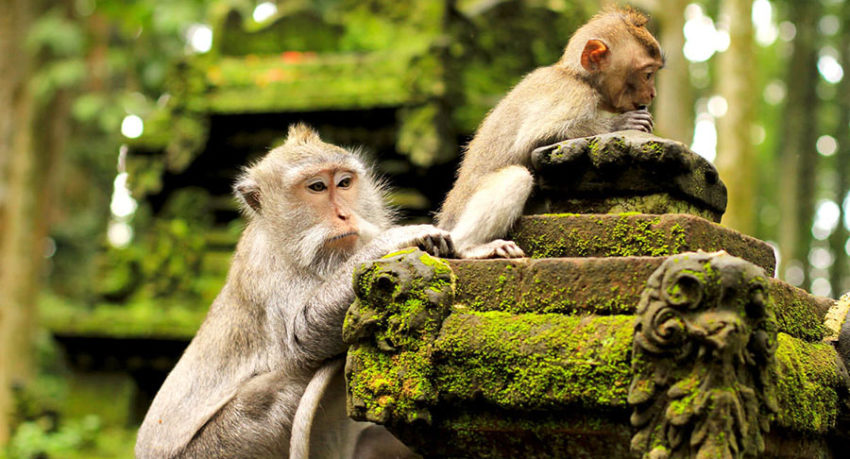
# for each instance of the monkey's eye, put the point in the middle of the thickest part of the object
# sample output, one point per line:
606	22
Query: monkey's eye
344	183
317	186
648	75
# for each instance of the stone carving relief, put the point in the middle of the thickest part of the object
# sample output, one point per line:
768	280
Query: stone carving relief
703	352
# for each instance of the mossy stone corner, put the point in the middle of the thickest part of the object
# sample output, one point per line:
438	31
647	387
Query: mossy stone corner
626	171
401	302
698	345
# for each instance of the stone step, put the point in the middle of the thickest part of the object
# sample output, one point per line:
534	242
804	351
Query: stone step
618	235
605	286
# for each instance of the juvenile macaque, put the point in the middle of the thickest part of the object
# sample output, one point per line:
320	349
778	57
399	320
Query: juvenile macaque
602	83
314	213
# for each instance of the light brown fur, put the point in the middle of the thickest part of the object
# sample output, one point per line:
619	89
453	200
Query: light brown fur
602	83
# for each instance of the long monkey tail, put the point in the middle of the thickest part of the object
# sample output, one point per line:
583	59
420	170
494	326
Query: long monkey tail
302	423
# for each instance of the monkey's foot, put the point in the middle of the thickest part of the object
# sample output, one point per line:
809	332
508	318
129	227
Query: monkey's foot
499	248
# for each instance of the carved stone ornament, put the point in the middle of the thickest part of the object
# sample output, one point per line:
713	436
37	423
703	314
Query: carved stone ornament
702	360
401	302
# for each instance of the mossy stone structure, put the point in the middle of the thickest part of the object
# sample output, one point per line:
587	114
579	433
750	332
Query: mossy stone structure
638	327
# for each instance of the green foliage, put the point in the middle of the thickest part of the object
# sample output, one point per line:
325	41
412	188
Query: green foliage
506	40
46	427
173	259
110	57
166	261
40	438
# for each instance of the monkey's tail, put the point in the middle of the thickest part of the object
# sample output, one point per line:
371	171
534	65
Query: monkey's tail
299	441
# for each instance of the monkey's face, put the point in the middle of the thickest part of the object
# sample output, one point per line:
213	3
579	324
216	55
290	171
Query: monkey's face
331	196
630	84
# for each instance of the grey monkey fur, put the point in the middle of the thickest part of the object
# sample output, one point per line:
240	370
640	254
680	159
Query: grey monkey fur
278	318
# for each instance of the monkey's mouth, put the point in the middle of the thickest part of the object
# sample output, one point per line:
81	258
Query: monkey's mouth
343	235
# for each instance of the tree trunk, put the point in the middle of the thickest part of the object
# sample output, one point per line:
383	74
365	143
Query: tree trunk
32	139
736	157
674	107
838	239
15	240
797	156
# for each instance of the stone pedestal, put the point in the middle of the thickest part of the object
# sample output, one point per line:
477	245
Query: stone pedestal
624	334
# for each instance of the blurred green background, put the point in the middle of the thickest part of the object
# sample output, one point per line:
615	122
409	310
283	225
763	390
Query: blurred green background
124	123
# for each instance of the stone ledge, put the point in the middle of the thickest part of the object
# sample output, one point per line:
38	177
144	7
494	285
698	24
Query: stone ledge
573	285
498	376
612	235
477	432
627	164
531	362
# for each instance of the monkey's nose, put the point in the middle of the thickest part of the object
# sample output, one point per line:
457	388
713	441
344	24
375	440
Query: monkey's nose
342	214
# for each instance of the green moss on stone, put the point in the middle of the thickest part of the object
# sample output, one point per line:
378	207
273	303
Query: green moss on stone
535	361
633	234
798	313
627	237
565	286
389	366
387	386
655	203
807	384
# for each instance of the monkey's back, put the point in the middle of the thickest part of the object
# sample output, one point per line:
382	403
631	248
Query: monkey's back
546	106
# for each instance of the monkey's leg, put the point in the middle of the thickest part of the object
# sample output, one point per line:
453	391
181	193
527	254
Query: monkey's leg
255	423
490	212
376	442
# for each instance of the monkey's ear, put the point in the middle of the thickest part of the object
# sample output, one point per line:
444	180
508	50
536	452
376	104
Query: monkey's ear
248	192
595	55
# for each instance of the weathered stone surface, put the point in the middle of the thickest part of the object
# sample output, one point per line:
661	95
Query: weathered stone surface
579	175
600	235
798	312
703	359
401	302
460	378
659	203
572	433
481	433
553	285
602	286
533	362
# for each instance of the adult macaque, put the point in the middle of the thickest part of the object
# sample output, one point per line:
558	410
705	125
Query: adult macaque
602	83
314	213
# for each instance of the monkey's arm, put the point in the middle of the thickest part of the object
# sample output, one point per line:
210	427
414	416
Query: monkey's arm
315	329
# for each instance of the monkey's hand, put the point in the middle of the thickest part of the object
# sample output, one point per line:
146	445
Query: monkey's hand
498	248
429	238
638	120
